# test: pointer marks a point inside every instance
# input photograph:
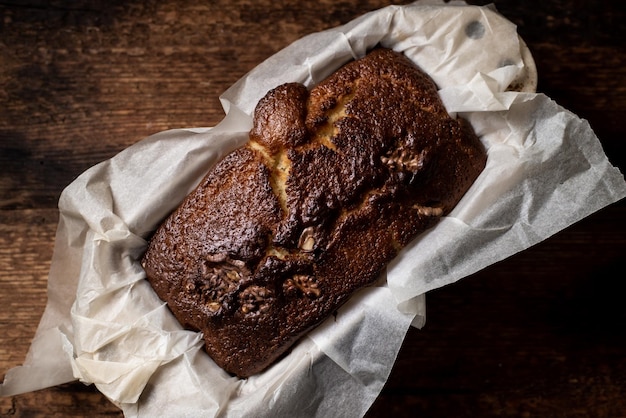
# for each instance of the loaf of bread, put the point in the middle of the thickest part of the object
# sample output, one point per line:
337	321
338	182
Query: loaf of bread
332	183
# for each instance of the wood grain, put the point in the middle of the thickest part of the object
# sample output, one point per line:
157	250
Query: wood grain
539	334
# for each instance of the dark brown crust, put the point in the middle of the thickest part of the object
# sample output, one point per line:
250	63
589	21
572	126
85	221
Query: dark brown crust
330	186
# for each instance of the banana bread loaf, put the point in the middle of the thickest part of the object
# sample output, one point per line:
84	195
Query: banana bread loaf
332	183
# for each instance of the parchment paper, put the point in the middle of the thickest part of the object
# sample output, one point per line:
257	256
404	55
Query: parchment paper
104	325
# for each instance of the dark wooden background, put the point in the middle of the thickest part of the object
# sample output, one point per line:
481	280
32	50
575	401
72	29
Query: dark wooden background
542	334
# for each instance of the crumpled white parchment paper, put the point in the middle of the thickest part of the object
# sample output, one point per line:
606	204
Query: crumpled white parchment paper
104	325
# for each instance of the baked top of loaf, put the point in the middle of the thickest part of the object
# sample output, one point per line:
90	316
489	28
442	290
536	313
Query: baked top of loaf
332	183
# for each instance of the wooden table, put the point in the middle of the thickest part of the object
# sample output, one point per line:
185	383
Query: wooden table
540	334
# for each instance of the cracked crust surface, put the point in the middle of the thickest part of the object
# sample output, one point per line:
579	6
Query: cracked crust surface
331	185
